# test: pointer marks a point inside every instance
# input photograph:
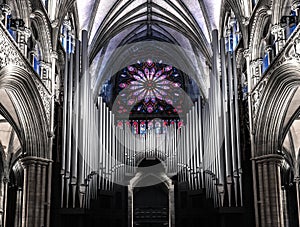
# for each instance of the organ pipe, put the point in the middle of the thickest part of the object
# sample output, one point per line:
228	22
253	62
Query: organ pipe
232	126
237	125
64	129
112	151
76	121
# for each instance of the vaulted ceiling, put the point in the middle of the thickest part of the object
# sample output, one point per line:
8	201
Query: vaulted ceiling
122	32
127	21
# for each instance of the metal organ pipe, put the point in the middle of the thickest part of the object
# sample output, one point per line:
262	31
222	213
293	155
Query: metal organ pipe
99	150
69	135
200	143
218	98
64	133
232	125
237	125
75	121
225	116
113	152
83	110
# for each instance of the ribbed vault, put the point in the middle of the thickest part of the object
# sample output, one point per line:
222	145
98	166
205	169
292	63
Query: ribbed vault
185	24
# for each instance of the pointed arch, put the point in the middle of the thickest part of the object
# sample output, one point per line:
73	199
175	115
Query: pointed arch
21	89
39	20
273	108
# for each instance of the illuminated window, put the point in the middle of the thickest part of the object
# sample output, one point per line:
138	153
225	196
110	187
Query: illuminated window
150	87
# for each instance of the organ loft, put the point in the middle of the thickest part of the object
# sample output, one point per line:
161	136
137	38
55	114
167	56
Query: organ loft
149	113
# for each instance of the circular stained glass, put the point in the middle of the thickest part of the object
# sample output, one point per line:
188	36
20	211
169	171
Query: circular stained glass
150	87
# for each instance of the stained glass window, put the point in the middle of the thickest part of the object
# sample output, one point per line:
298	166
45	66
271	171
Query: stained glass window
150	87
143	127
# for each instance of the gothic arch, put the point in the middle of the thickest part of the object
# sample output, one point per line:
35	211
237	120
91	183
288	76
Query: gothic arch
273	107
39	20
261	20
30	112
237	9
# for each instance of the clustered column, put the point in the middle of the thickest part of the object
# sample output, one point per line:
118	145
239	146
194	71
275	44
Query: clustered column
269	188
34	191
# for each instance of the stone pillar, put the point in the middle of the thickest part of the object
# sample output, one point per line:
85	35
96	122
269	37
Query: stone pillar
269	187
269	52
278	32
34	196
32	54
284	207
297	181
5	12
18	215
5	188
247	55
260	67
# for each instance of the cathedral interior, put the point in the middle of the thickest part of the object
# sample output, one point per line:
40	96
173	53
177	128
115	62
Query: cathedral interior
149	113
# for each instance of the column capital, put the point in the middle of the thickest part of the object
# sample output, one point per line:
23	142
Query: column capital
246	53
5	8
275	29
268	48
67	23
27	161
54	55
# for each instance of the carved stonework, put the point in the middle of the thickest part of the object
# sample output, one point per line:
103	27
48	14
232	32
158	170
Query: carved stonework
288	54
46	98
239	58
11	55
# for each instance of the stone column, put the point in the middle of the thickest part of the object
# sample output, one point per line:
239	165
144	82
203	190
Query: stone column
34	197
297	181
260	62
278	32
284	207
5	12
5	188
269	187
247	56
269	52
32	54
18	215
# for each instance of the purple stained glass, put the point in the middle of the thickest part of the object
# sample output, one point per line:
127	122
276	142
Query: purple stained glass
150	87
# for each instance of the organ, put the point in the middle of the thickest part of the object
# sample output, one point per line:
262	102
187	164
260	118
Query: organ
197	142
